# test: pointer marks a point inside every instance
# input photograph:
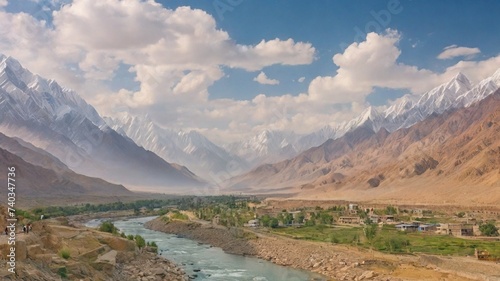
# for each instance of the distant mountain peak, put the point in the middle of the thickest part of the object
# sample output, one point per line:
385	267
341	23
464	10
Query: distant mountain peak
61	122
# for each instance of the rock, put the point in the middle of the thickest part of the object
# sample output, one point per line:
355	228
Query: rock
159	271
366	275
109	257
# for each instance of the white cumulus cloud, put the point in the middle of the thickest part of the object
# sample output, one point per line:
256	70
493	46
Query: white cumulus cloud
176	55
264	80
368	64
453	51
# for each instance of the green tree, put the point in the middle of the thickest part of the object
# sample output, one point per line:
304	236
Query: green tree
300	217
370	232
326	218
139	241
390	210
265	219
489	229
274	223
108	226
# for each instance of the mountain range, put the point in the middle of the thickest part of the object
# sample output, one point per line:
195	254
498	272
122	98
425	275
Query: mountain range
191	149
274	146
451	156
60	122
50	127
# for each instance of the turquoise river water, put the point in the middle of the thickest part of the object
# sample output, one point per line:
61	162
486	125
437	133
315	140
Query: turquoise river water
204	262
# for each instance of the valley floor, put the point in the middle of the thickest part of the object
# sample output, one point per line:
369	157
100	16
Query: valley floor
335	261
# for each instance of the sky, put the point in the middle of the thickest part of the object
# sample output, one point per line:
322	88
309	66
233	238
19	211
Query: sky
232	68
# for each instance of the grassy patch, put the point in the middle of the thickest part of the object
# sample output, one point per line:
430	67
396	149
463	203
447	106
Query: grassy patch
176	215
390	240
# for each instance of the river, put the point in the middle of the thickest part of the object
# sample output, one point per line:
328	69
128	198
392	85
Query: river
204	262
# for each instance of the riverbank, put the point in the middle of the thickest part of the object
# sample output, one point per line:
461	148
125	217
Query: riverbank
336	262
55	250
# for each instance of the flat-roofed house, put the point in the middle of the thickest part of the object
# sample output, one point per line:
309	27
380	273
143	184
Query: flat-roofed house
406	227
456	229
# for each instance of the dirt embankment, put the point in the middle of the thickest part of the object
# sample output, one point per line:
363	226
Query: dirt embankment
231	241
334	261
55	250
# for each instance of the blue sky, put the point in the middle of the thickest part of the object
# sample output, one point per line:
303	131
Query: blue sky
429	25
214	66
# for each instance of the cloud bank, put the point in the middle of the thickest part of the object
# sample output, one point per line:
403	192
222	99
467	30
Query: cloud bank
174	56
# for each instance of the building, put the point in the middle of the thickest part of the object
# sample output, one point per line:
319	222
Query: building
427	227
420	213
252	223
374	218
353	208
387	218
407	227
349	220
456	229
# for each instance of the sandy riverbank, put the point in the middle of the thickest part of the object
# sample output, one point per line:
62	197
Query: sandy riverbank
334	261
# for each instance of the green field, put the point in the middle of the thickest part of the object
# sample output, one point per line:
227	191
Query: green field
390	240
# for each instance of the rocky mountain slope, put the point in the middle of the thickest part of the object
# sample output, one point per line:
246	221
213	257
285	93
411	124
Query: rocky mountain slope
58	121
274	146
453	156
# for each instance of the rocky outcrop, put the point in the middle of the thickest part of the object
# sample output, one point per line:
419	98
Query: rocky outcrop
54	250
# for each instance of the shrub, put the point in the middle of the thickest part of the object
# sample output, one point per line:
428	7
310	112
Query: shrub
310	222
108	226
179	216
274	223
65	254
139	241
130	237
488	229
63	272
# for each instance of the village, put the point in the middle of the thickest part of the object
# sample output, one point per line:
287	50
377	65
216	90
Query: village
422	220
398	230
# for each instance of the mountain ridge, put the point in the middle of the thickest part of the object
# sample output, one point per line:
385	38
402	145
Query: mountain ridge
459	147
57	120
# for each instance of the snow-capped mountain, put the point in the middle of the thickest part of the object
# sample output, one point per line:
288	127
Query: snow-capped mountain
269	147
41	112
266	147
190	149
